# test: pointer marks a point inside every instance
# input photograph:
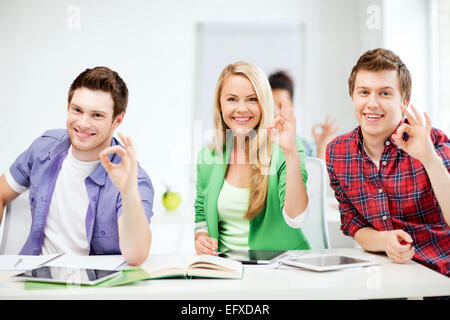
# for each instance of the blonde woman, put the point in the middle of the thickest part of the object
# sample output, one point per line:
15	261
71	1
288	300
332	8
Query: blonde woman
251	191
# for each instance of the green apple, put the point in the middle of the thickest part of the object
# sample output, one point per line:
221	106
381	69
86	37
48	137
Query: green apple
171	200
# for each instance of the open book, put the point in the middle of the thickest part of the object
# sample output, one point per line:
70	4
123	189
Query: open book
206	266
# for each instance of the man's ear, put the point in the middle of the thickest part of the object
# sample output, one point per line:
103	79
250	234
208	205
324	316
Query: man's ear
118	120
351	95
405	104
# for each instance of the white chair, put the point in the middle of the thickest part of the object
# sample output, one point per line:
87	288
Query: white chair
316	227
16	224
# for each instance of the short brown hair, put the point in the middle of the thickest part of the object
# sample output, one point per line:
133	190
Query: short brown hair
104	79
383	59
281	80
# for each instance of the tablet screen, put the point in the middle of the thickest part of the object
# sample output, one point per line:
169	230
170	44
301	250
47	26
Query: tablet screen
264	255
67	275
326	261
252	256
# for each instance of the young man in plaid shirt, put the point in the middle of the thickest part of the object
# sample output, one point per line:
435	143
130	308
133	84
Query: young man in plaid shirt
391	174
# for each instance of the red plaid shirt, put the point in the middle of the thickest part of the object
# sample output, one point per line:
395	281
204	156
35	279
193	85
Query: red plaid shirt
397	196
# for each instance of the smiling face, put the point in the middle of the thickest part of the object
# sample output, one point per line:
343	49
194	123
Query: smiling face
377	100
239	104
90	122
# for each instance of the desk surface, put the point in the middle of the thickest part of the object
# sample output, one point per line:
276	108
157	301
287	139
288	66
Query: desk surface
386	280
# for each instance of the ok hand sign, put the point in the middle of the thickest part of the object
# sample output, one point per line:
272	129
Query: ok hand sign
124	173
419	144
283	129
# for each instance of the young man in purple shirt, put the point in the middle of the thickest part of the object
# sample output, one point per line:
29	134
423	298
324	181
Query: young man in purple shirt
88	195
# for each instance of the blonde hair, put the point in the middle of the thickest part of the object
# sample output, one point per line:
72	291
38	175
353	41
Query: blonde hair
260	146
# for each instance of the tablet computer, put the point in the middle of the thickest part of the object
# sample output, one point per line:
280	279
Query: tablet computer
326	262
75	276
252	256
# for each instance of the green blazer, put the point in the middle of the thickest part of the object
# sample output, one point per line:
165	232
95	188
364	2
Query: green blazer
268	231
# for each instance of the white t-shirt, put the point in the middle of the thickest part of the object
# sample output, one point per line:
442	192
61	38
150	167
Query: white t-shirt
65	229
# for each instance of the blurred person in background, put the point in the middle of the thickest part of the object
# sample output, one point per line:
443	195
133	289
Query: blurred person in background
283	88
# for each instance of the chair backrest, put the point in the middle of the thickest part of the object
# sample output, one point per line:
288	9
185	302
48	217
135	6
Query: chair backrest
16	225
316	227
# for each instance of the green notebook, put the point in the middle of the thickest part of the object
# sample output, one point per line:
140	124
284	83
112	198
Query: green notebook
125	277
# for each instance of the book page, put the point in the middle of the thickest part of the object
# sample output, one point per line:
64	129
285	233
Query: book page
166	265
213	266
24	262
215	262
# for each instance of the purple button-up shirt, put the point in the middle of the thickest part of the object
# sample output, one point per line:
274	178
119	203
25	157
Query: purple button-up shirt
38	167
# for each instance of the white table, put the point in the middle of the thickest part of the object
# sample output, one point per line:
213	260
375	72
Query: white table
386	280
